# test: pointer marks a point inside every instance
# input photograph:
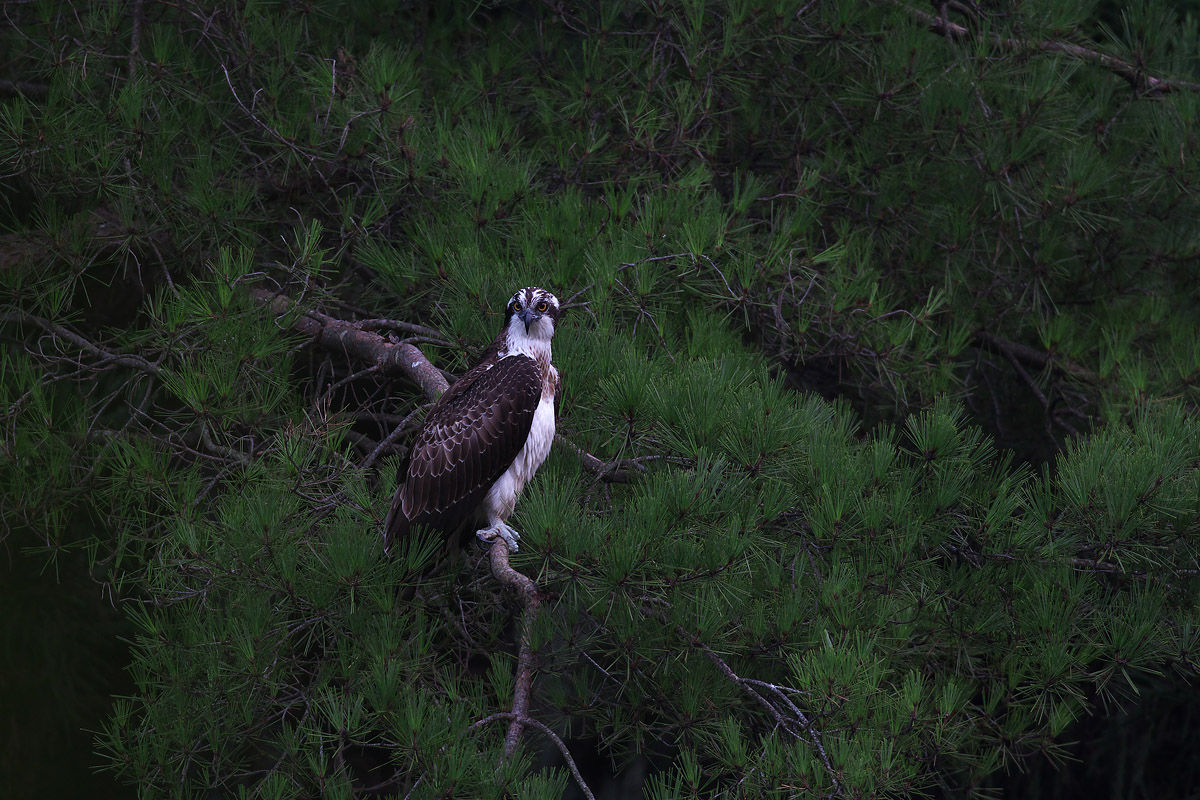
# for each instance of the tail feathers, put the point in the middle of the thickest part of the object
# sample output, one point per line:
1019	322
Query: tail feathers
395	524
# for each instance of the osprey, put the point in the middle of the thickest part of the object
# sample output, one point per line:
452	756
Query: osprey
486	436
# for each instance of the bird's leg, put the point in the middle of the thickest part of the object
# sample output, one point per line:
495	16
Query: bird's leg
499	528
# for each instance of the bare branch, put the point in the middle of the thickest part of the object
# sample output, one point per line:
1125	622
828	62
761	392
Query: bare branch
396	433
526	589
347	337
408	360
135	43
221	450
1015	351
59	332
400	325
263	126
786	721
1141	82
611	471
562	747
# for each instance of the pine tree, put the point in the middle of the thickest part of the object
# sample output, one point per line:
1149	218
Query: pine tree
878	467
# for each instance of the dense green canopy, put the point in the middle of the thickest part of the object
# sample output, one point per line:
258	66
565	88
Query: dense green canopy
879	469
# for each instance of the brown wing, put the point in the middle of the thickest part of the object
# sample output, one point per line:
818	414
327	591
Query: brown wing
557	395
469	439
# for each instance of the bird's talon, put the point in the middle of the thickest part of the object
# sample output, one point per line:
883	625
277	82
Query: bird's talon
502	531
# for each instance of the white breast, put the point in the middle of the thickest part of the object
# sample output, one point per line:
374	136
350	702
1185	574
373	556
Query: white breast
502	497
541	436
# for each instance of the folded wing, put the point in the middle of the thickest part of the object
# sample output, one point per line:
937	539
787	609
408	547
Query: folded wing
469	438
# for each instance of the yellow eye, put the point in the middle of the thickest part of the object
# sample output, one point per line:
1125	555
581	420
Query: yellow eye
541	307
516	306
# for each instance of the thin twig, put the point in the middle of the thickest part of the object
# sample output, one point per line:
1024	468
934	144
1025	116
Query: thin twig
362	373
747	685
562	747
1134	75
396	433
249	112
123	359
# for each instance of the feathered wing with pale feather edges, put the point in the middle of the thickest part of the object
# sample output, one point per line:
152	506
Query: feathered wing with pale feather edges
470	437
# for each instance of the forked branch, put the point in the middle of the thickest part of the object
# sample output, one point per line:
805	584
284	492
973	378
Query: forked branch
783	710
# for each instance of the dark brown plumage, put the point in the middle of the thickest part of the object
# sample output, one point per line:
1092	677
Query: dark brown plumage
478	432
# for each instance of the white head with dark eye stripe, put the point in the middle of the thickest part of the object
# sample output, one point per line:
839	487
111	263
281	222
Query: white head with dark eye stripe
532	315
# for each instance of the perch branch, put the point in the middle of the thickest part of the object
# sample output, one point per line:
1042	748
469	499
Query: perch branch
349	338
392	358
526	589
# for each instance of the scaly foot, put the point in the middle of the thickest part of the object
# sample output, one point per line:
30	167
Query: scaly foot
501	530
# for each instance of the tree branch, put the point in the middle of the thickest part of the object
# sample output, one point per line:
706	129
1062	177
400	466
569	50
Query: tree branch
1015	352
611	471
275	134
406	359
135	37
59	332
347	337
357	339
562	747
1134	75
786	721
401	325
527	591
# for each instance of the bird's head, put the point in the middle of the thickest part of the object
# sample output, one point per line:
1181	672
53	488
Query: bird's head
531	316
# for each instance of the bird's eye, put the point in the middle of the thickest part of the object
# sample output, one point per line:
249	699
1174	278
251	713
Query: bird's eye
516	306
541	307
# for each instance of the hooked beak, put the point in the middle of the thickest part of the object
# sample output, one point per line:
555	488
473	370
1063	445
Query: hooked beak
528	316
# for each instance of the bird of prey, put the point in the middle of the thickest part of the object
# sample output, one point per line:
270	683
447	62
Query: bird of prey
487	435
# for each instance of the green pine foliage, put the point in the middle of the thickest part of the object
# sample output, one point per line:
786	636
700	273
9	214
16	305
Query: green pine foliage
959	240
